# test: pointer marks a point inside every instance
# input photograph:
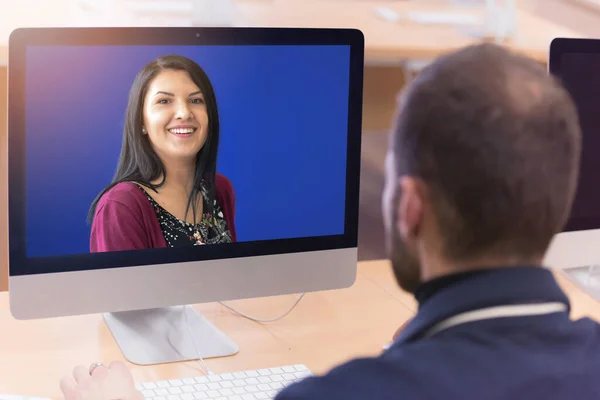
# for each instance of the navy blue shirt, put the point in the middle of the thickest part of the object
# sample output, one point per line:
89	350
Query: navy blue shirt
540	357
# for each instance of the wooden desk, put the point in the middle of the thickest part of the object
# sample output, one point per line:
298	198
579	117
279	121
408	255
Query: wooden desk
325	329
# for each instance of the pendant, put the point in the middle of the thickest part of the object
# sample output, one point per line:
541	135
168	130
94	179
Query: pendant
198	238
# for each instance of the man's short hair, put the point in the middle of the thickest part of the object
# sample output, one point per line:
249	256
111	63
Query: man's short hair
497	141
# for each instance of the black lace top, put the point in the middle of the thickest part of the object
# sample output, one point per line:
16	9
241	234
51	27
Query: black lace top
211	229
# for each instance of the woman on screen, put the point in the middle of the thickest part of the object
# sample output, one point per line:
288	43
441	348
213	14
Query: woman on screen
166	192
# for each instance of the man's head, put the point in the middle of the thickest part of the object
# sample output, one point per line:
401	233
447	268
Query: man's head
482	165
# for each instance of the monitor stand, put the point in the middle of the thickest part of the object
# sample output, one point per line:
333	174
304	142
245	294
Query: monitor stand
164	335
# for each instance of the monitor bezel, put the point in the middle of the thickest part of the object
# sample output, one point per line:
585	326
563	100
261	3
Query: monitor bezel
559	47
22	38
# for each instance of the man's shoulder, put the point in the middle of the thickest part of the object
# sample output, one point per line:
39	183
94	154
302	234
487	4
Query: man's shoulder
442	367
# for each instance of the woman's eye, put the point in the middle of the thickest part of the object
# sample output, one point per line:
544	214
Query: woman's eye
197	101
163	101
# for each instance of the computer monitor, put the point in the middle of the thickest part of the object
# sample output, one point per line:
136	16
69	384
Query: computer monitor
576	62
85	109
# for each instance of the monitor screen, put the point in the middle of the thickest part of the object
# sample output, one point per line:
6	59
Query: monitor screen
576	63
286	160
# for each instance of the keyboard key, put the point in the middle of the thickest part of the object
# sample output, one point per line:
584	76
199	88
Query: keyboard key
188	381
302	375
289	377
149	385
187	396
276	371
175	390
200	387
227	377
215	378
188	389
239	375
252	374
176	382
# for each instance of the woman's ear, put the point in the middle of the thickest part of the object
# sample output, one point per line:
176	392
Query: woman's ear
411	209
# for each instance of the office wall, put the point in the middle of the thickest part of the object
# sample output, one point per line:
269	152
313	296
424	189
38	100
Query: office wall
3	184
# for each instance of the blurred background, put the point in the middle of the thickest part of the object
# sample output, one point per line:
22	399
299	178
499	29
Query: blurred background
401	36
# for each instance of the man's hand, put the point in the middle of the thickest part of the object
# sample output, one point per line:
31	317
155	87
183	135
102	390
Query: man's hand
100	383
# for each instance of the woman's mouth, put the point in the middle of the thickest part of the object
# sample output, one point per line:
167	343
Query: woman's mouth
182	131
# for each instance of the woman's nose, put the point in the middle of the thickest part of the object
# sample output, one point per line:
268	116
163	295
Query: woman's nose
183	111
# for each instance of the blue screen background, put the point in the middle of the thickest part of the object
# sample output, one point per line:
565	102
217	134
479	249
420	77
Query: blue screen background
283	142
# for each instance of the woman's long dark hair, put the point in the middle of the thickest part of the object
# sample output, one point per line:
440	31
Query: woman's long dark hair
139	163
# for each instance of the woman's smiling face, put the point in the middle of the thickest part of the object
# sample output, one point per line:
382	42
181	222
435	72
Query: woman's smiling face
175	116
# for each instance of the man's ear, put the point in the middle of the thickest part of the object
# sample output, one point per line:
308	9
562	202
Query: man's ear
410	214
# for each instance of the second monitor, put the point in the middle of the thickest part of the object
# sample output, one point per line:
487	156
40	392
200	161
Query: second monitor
575	250
153	168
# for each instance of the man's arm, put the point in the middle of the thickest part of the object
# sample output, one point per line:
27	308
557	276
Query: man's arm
366	378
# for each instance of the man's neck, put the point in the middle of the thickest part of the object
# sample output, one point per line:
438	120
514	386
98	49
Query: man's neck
447	274
434	269
431	287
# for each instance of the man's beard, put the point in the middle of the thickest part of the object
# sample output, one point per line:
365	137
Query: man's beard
406	266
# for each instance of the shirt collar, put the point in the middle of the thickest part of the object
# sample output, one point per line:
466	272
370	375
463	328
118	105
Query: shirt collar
428	289
500	286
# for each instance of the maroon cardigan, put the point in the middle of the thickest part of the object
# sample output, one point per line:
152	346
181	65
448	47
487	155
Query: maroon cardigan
125	219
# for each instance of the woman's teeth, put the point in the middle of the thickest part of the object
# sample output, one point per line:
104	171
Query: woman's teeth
182	131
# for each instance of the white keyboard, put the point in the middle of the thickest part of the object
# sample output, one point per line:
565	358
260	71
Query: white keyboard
244	385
